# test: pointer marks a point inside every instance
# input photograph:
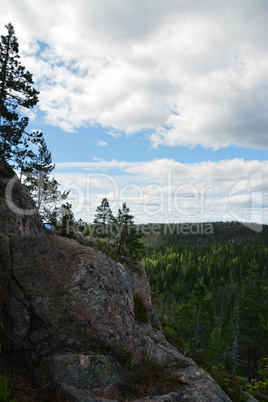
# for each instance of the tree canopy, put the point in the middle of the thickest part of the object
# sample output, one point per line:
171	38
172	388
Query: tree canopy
103	218
121	232
17	95
43	187
211	296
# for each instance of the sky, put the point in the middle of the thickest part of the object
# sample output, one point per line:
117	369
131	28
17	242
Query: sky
162	104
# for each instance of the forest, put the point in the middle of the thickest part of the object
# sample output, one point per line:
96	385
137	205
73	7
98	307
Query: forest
210	292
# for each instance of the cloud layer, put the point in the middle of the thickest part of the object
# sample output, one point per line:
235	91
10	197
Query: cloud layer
188	72
168	191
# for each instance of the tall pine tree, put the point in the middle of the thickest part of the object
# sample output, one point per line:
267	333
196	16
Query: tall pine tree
128	239
43	187
17	95
102	219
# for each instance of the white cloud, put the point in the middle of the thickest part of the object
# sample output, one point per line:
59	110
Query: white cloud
168	191
192	72
102	143
114	133
68	180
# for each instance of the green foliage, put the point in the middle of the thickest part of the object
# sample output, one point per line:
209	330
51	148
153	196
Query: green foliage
216	346
253	309
211	293
258	389
263	369
127	237
66	223
107	248
43	187
173	336
6	389
121	233
102	220
140	310
16	96
195	316
87	230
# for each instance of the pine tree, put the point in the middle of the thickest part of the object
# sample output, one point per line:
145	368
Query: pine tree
23	154
216	346
102	219
194	317
197	299
17	95
38	178
67	220
128	239
44	188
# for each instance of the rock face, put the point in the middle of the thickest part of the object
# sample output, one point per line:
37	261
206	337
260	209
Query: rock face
67	315
18	212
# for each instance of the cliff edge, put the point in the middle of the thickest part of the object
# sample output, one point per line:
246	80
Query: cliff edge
67	316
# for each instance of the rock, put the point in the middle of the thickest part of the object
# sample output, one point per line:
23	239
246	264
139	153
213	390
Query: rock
18	212
251	398
67	316
142	288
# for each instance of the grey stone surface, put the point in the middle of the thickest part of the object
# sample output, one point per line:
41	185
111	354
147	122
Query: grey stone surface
67	311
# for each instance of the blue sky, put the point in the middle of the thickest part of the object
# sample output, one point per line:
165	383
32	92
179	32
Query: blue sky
160	104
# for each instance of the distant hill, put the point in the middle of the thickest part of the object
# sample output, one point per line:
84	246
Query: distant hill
166	235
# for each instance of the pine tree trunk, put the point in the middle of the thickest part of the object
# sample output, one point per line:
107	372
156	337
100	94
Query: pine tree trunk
40	184
4	78
2	92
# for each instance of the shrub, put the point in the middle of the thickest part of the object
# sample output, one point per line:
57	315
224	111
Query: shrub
6	389
125	355
259	389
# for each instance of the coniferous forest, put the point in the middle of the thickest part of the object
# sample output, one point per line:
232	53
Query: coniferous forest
210	292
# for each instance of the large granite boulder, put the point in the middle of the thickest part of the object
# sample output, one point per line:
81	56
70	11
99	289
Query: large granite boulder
67	315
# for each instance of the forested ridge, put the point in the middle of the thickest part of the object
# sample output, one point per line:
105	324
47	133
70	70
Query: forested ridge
210	292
